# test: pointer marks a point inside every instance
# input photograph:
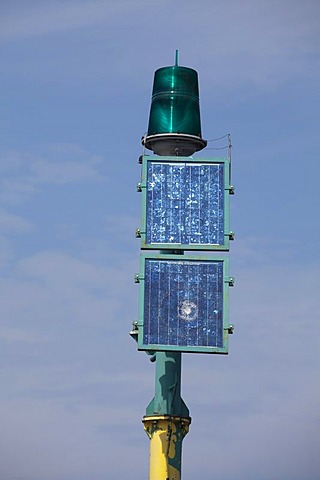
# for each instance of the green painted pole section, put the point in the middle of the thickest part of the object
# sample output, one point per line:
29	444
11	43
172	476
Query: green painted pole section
167	399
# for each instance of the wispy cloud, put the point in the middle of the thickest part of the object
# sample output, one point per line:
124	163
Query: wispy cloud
25	173
239	44
10	222
6	250
42	422
65	288
42	19
18	335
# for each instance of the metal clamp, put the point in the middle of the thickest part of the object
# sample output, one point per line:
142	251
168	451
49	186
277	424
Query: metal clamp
230	329
134	332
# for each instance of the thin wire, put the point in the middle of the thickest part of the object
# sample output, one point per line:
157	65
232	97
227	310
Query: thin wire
218	148
219	138
229	155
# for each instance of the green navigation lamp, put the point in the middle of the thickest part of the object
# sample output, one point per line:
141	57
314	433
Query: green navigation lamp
174	122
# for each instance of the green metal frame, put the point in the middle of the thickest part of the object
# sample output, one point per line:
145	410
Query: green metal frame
142	187
227	328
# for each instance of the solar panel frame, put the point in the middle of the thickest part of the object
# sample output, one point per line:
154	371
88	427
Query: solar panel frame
163	221
173	319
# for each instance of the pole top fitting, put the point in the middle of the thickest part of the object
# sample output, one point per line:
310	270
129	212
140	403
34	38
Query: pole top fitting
176	61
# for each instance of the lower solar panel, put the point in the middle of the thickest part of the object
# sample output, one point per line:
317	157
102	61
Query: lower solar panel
183	304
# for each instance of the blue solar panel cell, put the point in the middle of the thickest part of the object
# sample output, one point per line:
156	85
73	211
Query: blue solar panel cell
185	203
183	303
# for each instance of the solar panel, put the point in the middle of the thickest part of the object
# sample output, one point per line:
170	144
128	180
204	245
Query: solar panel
185	204
183	304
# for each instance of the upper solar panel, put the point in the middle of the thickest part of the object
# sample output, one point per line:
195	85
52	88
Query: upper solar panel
185	203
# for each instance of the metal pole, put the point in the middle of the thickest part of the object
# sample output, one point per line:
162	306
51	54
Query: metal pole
167	419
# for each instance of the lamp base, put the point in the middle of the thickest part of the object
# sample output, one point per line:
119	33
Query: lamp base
174	144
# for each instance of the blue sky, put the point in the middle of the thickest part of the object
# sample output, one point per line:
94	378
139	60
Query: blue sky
75	94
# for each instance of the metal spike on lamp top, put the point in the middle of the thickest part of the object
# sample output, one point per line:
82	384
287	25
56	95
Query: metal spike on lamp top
174	122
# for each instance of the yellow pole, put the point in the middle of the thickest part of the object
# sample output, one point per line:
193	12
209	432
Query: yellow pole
166	434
